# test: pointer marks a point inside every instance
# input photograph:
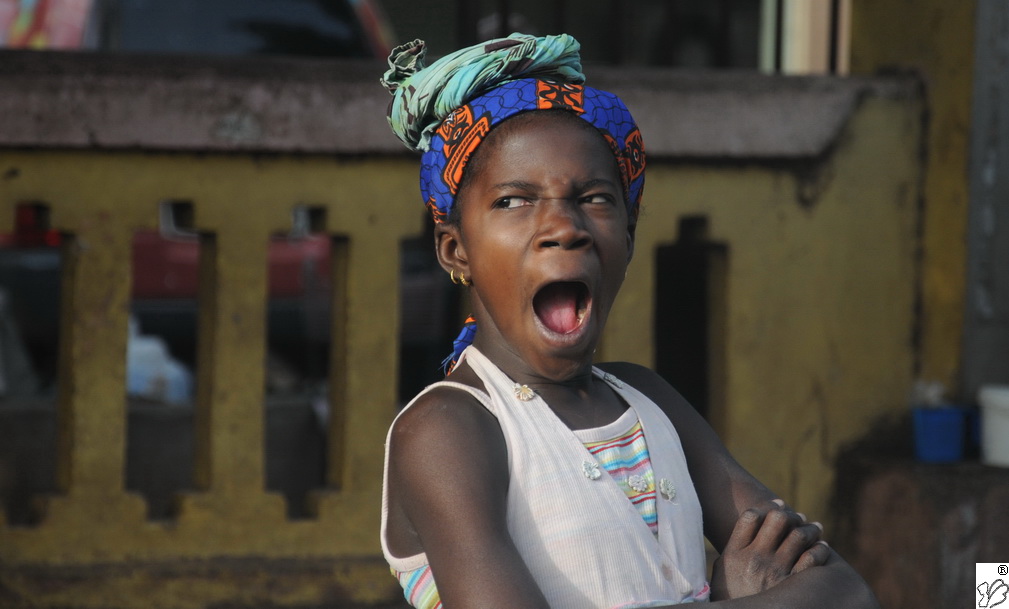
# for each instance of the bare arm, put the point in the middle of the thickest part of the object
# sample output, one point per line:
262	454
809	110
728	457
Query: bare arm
449	476
769	557
449	472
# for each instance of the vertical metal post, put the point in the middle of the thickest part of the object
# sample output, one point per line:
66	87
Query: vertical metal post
986	314
771	23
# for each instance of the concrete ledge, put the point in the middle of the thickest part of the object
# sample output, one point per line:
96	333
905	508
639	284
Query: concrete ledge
60	100
221	581
743	115
914	530
97	101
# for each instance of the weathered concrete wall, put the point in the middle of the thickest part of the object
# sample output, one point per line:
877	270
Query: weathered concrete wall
818	293
934	39
69	100
231	541
811	185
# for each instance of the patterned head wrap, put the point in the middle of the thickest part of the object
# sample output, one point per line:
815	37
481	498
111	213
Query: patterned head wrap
446	110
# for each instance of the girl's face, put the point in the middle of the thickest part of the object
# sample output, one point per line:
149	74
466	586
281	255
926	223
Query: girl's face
545	238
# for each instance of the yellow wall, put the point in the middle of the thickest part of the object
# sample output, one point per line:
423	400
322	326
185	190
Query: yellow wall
232	541
819	298
935	38
817	343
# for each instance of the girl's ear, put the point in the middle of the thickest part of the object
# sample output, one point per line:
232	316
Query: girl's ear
632	225
449	248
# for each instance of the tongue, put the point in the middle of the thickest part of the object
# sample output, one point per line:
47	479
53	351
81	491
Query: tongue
557	307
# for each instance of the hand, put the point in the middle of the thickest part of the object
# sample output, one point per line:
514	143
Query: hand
769	543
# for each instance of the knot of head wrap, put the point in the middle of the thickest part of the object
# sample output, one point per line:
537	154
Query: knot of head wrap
423	97
447	109
404	61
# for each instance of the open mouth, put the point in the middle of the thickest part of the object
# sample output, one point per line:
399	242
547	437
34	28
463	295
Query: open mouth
562	306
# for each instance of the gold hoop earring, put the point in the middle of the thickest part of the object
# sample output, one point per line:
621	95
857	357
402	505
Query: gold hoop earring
451	275
464	281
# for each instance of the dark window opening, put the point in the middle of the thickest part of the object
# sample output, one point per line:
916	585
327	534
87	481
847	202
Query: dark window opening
430	314
299	311
30	287
161	359
674	33
298	346
689	300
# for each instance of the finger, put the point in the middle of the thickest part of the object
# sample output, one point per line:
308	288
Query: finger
777	524
815	556
799	540
749	523
796	517
747	526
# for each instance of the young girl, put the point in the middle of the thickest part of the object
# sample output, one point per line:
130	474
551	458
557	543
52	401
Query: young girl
531	478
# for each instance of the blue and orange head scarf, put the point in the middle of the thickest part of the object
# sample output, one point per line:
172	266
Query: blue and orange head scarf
446	110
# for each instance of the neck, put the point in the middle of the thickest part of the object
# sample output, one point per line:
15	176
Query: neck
574	394
536	369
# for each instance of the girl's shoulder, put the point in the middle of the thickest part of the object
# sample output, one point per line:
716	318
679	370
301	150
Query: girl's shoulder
627	371
645	380
447	406
456	411
446	456
655	388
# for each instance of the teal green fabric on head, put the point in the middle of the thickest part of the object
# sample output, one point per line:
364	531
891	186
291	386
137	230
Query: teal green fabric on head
424	96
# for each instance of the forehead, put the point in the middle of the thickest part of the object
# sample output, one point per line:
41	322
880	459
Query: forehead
546	140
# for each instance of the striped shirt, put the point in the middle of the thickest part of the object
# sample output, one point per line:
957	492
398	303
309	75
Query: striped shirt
621	450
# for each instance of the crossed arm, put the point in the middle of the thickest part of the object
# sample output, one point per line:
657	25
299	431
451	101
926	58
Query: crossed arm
768	552
448	484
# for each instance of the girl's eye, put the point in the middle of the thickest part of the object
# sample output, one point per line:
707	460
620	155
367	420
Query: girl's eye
511	202
597	199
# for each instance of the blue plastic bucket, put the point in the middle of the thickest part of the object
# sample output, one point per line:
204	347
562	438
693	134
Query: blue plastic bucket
938	434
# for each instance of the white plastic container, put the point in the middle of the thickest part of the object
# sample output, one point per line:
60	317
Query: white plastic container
994	401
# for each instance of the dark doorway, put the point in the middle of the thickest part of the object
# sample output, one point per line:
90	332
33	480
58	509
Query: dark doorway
689	305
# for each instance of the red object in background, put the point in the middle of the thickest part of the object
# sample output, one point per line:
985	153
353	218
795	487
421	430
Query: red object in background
31	229
299	267
164	268
167	268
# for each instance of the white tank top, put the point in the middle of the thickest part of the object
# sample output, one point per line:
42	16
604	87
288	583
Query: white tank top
581	538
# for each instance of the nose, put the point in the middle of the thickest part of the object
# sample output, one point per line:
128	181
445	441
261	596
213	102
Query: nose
562	225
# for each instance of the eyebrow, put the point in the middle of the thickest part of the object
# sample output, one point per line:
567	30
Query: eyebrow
579	186
516	185
595	182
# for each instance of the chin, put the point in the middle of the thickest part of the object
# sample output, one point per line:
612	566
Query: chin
579	343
